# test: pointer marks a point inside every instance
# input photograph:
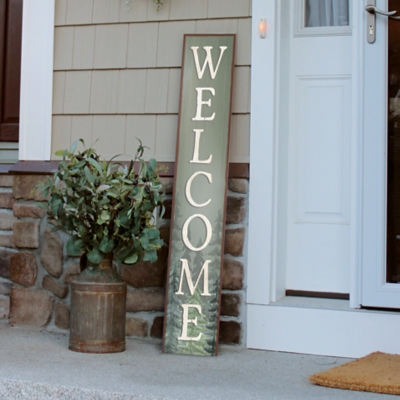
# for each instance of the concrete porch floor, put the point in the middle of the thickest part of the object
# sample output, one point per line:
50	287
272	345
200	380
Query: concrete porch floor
36	364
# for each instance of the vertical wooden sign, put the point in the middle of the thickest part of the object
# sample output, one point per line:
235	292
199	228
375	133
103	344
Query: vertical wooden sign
191	322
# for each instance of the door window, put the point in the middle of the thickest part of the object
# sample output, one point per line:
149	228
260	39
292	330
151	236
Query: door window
326	13
322	18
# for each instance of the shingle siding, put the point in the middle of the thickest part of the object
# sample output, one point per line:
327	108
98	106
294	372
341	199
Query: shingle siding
117	58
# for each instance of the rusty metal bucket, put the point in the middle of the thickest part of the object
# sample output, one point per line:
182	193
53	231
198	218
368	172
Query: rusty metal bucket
98	304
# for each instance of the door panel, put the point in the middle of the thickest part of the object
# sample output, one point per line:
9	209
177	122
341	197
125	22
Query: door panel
318	222
323	148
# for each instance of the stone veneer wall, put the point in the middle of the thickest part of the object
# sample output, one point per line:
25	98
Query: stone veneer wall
36	272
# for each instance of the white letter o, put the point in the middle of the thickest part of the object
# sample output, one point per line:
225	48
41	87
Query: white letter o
185	232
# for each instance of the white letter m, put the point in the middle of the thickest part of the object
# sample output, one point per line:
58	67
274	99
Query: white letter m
186	271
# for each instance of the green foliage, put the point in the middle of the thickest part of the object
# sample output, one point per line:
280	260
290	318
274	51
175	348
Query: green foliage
105	206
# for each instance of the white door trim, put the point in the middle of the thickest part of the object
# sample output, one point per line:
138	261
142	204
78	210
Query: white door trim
323	331
36	80
262	155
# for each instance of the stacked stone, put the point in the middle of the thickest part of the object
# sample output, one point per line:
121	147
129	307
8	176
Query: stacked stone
35	271
32	258
6	243
232	315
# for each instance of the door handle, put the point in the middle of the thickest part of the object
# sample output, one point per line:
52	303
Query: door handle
375	10
372	10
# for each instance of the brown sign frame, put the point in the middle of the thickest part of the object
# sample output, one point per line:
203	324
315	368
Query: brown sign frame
203	140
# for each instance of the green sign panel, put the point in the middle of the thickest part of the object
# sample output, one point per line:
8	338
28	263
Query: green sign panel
198	219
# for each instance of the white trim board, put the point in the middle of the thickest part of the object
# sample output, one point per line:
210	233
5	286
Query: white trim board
36	80
262	128
332	332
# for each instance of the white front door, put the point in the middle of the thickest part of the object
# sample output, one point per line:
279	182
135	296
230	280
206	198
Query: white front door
381	160
318	147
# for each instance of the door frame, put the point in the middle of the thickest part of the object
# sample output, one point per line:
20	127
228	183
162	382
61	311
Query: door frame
266	283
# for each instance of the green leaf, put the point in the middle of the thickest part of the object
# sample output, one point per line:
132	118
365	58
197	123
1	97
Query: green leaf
136	228
59	153
162	211
95	164
42	205
150	256
130	168
144	241
152	233
132	258
107	245
94	256
73	146
153	163
103	187
88	175
75	246
105	216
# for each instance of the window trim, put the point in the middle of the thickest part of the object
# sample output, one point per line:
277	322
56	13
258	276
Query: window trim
36	80
301	30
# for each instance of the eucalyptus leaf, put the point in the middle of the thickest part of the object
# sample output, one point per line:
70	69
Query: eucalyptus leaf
101	188
144	241
107	245
96	165
75	246
150	256
73	146
153	163
88	175
95	256
131	259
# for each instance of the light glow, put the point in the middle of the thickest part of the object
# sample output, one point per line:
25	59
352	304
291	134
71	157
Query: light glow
262	28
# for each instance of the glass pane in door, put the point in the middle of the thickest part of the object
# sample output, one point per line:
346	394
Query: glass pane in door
326	13
393	156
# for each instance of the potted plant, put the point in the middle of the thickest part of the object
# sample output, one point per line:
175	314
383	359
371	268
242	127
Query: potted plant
107	209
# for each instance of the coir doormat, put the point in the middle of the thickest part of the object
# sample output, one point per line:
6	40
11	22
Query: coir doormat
378	372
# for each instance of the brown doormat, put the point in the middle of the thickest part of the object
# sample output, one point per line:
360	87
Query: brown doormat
378	372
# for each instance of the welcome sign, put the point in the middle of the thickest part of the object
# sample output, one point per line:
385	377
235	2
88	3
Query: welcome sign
191	323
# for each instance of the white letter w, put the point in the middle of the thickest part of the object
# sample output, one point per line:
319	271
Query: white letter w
208	61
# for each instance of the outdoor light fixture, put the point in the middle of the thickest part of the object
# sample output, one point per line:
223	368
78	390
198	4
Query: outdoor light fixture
262	28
